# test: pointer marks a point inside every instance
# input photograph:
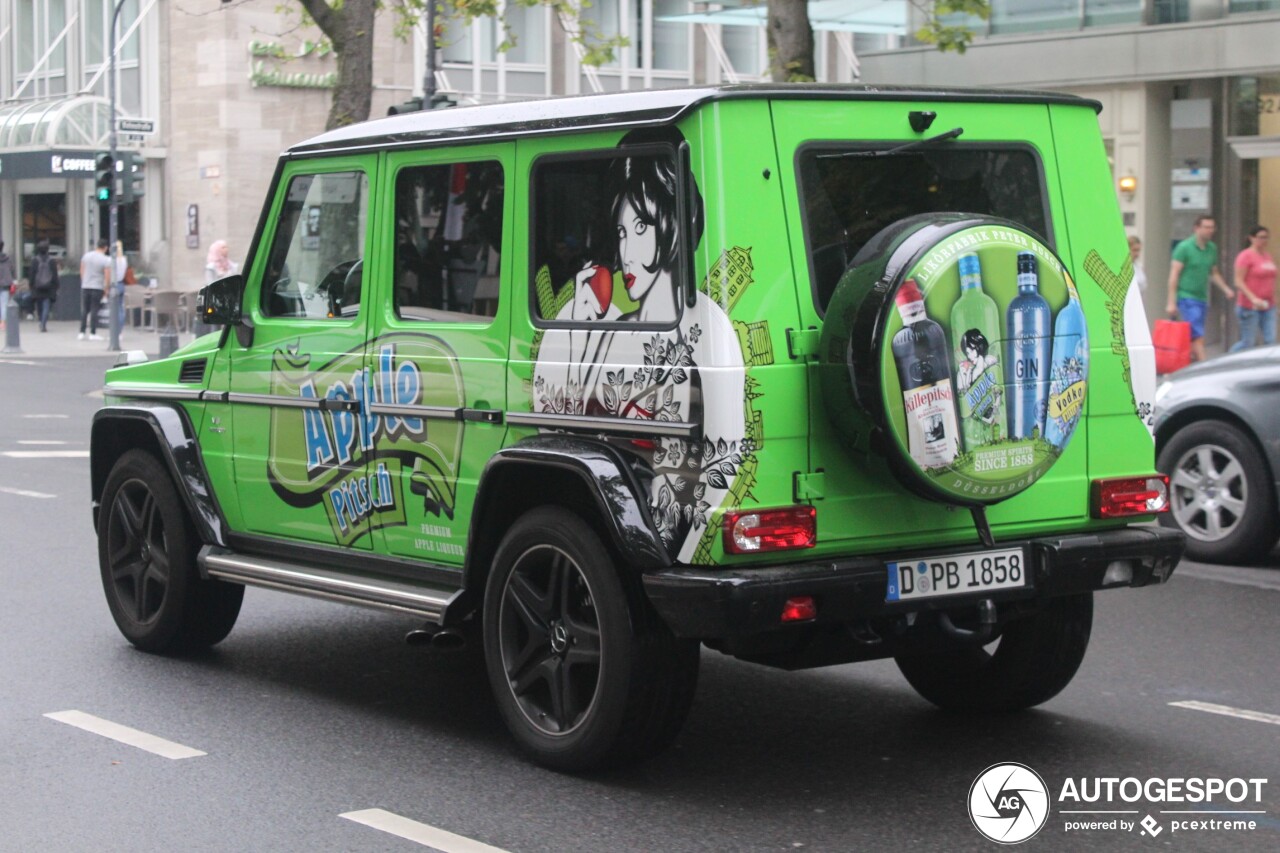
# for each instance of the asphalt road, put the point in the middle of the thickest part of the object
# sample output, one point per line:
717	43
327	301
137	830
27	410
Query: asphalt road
311	710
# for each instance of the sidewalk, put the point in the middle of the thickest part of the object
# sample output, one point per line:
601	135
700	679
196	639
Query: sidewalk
61	342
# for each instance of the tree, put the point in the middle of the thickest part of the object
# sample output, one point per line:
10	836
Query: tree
348	25
790	34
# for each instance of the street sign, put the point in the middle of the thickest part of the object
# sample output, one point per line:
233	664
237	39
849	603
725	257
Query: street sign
136	125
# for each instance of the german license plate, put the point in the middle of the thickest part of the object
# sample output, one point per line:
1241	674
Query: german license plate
954	574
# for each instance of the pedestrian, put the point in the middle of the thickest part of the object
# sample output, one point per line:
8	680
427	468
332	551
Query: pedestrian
218	263
1195	263
119	276
1135	255
8	275
42	276
1256	284
95	279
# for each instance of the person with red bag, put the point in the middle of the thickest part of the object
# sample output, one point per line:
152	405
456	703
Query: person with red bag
1195	263
1256	282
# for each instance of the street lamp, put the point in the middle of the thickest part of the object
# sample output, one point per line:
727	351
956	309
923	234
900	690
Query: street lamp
113	207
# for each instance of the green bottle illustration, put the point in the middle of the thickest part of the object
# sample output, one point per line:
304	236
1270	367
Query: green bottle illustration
975	337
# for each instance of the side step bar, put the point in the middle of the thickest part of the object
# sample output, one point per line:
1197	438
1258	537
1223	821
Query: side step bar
381	592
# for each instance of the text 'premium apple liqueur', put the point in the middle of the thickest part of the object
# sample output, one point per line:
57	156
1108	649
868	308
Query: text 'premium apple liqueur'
924	370
975	341
1027	345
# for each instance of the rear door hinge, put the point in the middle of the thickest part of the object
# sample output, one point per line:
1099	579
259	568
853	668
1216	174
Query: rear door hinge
803	343
809	487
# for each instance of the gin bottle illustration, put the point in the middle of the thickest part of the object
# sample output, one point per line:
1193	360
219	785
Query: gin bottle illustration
924	370
1027	345
975	338
1067	374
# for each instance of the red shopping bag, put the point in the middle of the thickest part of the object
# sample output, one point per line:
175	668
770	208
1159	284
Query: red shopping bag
1172	340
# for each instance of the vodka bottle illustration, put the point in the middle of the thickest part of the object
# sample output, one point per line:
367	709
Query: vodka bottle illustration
1027	345
1069	367
975	339
924	370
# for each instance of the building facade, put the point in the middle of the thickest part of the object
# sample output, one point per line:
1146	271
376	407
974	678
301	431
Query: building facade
219	89
1191	107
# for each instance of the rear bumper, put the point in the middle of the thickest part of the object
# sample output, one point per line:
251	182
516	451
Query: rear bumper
722	603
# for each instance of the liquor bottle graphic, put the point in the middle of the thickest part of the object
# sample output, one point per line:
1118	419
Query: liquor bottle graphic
975	339
1027	345
924	370
1069	367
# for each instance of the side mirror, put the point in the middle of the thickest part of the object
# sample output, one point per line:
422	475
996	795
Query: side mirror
218	304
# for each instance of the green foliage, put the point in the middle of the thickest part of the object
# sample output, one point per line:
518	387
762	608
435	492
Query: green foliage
597	46
947	22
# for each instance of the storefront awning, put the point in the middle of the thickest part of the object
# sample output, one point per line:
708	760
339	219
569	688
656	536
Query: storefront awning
79	121
855	16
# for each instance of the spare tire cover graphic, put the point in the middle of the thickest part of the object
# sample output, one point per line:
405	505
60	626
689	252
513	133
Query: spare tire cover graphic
983	357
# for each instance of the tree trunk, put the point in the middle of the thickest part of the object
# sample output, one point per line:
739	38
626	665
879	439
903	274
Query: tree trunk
349	28
790	41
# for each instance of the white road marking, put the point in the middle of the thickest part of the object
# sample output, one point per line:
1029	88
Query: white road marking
1241	576
46	454
45	417
421	833
1228	711
39	441
24	493
124	734
16	361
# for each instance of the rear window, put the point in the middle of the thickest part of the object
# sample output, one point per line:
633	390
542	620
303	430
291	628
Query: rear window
847	200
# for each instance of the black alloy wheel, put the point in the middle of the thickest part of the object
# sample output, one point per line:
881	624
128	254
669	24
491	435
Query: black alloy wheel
584	672
550	640
147	558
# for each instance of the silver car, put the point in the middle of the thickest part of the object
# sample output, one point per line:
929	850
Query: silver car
1218	438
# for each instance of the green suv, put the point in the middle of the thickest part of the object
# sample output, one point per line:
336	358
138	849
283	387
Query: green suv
806	374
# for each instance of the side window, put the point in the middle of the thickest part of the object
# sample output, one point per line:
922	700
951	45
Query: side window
606	242
317	255
448	241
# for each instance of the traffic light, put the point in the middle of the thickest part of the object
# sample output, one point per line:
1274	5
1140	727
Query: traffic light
104	176
133	178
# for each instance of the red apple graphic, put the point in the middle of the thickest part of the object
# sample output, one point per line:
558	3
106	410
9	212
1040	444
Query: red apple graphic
601	282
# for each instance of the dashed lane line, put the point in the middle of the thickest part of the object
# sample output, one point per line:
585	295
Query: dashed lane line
45	417
40	441
17	361
46	454
124	734
421	833
1228	711
24	493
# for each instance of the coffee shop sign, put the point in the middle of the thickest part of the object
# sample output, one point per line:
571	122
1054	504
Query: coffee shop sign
262	74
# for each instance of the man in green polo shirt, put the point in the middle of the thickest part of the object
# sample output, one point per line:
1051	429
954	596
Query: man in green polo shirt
1195	262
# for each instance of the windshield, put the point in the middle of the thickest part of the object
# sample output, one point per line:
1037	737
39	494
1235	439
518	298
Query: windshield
847	200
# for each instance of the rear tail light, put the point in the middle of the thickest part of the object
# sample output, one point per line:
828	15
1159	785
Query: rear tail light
762	530
799	608
1129	496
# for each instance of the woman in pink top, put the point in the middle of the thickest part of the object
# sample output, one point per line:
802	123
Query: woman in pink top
1256	286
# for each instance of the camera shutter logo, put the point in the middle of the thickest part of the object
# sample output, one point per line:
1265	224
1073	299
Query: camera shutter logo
1008	803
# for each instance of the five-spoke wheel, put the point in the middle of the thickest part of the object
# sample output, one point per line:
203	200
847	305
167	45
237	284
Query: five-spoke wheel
146	554
583	671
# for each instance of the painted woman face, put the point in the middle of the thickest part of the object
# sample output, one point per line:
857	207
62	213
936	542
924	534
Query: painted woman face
637	248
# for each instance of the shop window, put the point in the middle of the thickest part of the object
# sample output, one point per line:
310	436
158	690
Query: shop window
316	264
448	241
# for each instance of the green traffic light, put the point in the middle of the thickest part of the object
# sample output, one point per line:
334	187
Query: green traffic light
104	194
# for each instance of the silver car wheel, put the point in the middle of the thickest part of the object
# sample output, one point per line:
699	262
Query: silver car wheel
1209	492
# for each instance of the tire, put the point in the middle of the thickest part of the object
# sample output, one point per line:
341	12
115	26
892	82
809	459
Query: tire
1220	493
1036	658
584	673
146	554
